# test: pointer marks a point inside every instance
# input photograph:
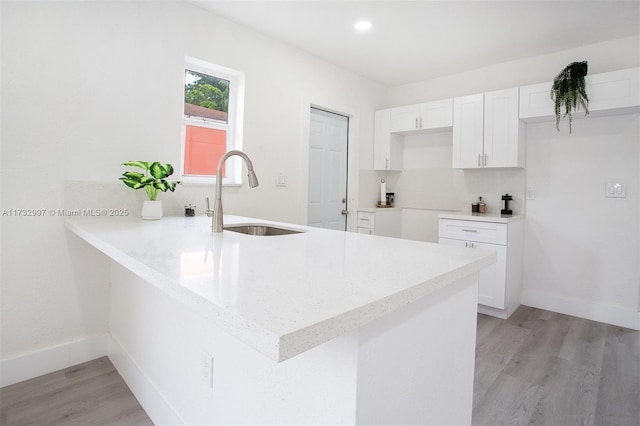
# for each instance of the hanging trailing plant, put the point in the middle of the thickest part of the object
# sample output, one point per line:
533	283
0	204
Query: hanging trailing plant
569	90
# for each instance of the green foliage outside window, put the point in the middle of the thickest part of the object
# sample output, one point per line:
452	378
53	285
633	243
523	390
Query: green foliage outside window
206	91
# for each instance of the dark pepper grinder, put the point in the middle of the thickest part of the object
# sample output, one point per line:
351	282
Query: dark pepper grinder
506	211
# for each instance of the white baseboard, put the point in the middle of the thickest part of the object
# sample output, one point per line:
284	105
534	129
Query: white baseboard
25	367
609	314
34	364
156	406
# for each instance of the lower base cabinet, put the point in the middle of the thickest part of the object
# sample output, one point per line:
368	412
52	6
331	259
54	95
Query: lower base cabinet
383	222
500	285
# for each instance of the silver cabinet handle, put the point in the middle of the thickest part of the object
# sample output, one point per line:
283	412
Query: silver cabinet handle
485	160
346	212
469	230
364	219
421	122
416	122
386	164
479	161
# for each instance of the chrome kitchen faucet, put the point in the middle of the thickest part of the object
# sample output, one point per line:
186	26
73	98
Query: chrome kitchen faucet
217	206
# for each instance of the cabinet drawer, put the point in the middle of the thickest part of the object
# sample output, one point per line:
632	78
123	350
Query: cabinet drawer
467	230
367	231
366	220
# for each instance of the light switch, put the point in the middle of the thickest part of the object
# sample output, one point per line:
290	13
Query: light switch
281	180
615	190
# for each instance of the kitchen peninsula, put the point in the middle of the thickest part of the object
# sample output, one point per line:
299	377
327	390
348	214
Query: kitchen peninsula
317	327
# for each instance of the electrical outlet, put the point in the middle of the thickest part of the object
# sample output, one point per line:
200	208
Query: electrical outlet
615	190
531	193
207	369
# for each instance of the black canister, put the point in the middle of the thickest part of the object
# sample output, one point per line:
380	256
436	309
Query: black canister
506	211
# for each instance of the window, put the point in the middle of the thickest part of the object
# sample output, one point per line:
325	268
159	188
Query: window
212	121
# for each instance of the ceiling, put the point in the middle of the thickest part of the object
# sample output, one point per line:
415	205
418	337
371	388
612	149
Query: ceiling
418	40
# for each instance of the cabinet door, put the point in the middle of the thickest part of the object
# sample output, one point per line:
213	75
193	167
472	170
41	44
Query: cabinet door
492	280
535	101
405	119
468	122
612	90
502	130
436	114
492	284
387	147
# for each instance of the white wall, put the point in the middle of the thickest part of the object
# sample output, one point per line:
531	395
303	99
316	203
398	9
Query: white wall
581	250
428	186
88	85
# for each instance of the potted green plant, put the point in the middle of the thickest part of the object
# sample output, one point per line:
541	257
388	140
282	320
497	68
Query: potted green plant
569	91
153	180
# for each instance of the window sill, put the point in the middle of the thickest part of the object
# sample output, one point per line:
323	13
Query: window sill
205	181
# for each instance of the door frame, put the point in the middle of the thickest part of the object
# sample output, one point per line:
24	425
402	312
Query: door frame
353	162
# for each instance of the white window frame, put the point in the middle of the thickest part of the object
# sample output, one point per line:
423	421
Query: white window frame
235	117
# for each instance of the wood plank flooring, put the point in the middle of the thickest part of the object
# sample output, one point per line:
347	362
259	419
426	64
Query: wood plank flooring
92	393
537	368
544	368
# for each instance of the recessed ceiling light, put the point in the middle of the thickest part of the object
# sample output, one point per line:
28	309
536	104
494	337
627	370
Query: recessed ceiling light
362	26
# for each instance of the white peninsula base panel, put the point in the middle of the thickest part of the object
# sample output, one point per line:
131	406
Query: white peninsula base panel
412	366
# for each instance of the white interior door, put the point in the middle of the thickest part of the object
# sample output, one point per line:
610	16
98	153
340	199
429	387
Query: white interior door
328	143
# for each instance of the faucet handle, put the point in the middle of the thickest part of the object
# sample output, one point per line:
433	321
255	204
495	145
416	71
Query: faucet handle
209	210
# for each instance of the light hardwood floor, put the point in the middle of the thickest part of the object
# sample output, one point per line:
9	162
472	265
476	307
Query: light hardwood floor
537	368
544	368
92	393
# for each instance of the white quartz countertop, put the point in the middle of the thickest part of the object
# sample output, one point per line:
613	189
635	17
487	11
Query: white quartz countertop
282	295
481	217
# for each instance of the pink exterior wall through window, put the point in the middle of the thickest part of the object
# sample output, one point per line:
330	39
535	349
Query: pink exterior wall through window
203	149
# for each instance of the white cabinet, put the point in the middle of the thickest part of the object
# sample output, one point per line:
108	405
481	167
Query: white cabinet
492	281
385	222
487	131
504	133
616	92
500	284
422	117
387	147
468	125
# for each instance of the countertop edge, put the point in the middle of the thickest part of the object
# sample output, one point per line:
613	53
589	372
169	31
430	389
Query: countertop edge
323	332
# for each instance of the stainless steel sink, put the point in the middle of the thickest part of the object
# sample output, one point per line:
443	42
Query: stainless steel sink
261	229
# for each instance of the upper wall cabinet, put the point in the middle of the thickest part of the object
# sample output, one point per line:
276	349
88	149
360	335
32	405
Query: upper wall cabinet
504	133
487	131
468	124
422	117
616	92
387	147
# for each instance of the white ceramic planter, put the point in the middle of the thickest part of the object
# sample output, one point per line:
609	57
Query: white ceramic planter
152	210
